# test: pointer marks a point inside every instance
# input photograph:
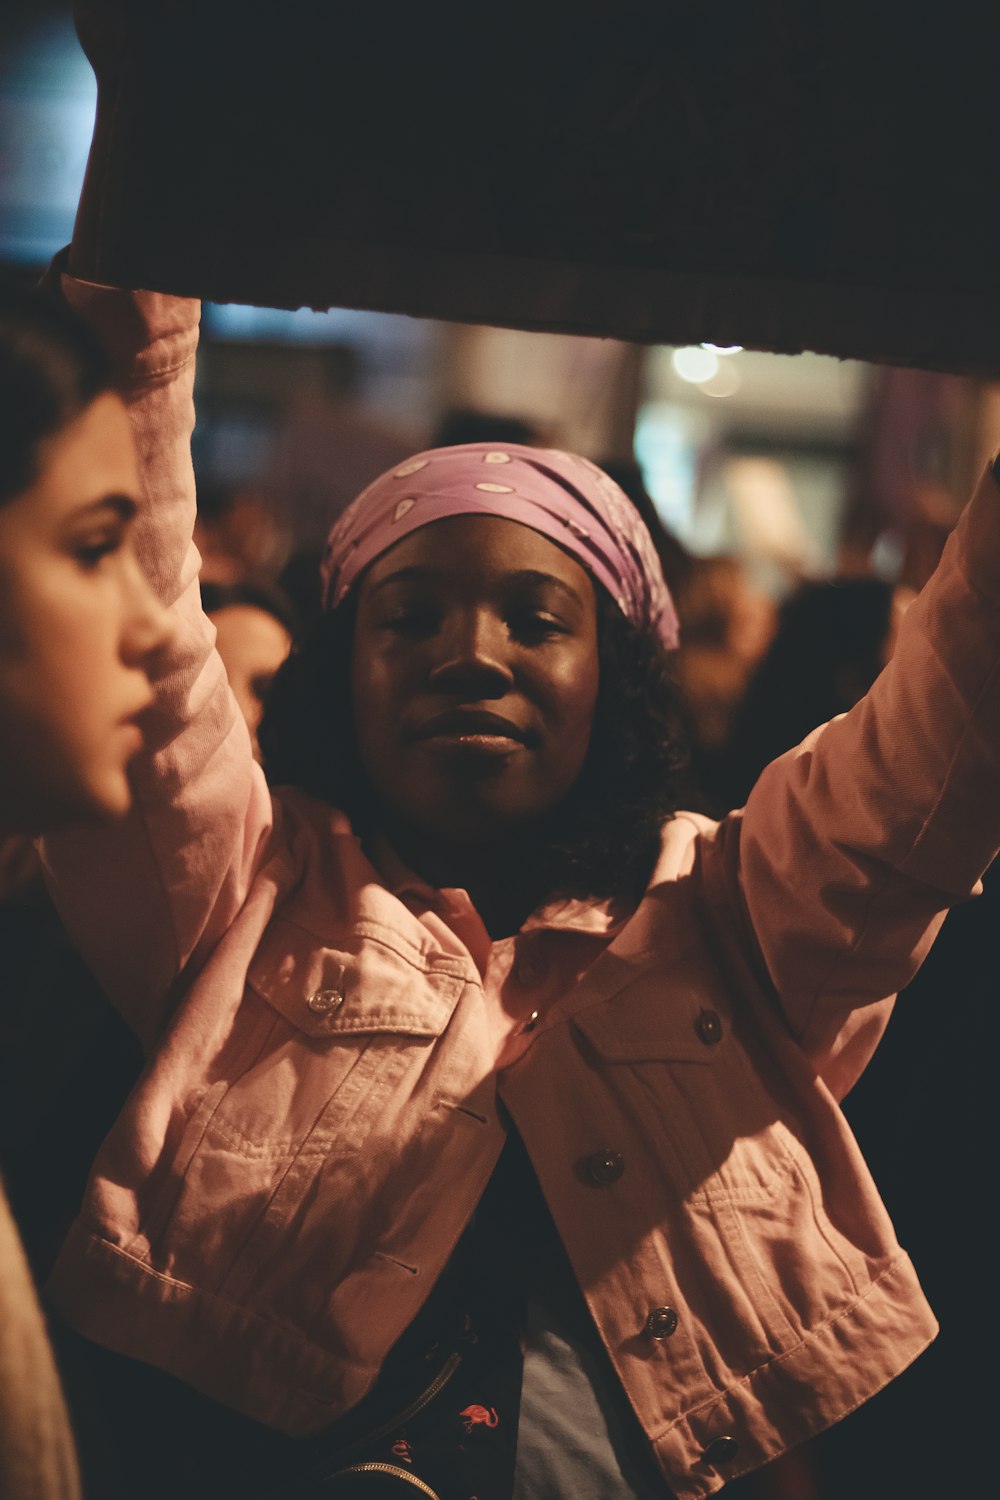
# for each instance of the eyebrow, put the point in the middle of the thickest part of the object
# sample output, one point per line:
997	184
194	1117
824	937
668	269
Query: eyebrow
521	578
123	505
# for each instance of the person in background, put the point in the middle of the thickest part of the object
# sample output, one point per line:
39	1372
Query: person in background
79	627
256	627
832	640
675	559
726	626
238	535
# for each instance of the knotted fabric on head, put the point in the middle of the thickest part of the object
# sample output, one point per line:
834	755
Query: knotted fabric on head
565	498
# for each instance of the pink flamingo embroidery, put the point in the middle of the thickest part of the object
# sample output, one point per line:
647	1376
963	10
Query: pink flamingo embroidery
479	1416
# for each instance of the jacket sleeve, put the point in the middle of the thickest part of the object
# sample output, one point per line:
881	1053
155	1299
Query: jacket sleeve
148	897
853	846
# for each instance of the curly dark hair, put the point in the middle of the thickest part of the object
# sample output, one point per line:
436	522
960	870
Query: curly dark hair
600	841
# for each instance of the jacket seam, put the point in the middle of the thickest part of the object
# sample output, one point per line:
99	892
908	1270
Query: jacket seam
451	966
786	1354
146	376
286	1331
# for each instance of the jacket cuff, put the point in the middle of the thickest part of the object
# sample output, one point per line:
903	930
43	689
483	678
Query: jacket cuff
147	334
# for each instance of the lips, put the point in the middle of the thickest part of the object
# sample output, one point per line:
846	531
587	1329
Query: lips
136	714
472	725
133	722
131	734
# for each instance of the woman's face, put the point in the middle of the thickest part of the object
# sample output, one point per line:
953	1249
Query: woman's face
253	645
475	675
78	625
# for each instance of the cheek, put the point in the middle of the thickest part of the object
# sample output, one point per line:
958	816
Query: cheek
61	623
575	701
373	695
61	691
22	614
579	691
78	683
43	650
81	647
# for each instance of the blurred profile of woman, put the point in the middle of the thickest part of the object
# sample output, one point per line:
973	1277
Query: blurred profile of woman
78	628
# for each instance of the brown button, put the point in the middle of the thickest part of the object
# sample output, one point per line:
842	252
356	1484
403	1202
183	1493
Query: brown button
722	1451
709	1027
605	1167
661	1323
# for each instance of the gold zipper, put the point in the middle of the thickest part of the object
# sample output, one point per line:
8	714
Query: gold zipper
379	1468
322	1472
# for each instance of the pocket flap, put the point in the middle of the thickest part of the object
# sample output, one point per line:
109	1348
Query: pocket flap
662	1015
364	987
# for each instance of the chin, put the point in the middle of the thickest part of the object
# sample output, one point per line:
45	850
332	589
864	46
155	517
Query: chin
101	799
113	799
58	792
480	824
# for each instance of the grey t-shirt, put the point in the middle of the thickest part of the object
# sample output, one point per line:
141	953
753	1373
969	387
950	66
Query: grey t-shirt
571	1440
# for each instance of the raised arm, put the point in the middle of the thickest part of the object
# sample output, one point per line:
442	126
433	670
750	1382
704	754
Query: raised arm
853	846
149	896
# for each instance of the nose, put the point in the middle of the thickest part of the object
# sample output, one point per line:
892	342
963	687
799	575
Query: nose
472	658
147	626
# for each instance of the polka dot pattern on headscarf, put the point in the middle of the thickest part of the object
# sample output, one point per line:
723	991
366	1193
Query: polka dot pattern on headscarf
563	497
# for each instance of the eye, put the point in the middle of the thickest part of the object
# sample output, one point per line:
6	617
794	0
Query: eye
90	551
535	625
412	620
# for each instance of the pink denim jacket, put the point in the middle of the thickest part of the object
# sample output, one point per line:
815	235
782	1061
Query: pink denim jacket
319	1113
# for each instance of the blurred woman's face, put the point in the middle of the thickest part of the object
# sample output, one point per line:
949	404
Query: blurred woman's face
78	626
475	675
253	645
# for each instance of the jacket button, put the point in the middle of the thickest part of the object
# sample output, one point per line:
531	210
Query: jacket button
709	1027
605	1167
661	1323
722	1451
322	1002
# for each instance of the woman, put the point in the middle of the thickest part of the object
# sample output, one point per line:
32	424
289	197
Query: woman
78	626
489	1137
255	628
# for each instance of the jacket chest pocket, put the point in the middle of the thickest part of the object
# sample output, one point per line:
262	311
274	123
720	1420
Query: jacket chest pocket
675	1063
324	1046
327	1034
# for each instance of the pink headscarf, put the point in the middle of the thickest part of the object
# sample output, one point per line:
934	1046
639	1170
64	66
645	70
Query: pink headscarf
565	498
